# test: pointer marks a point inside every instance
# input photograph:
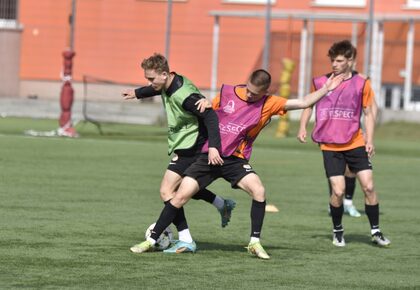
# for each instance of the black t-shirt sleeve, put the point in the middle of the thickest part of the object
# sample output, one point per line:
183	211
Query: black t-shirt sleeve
146	92
208	117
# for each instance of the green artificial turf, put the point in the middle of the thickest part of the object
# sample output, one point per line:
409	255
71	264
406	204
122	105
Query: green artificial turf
71	208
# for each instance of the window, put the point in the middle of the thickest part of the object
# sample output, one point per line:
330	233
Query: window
339	3
413	4
249	1
415	95
8	13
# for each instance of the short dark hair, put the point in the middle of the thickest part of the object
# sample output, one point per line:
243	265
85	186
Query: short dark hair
260	78
344	48
156	62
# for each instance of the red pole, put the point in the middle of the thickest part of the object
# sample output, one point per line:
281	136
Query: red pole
67	94
66	97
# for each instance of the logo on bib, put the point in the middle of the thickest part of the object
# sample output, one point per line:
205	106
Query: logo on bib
231	128
336	114
230	107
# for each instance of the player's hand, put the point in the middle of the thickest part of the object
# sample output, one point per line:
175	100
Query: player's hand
203	104
214	157
301	136
128	94
370	149
334	81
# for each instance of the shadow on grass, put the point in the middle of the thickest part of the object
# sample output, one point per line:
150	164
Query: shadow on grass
206	246
362	212
349	238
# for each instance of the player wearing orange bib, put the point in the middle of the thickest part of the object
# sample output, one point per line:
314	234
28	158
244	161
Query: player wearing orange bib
242	111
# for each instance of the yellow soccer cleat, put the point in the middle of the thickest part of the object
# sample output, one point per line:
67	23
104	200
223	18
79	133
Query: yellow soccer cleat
257	250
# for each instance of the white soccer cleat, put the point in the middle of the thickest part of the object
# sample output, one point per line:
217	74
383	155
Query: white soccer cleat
351	211
338	239
379	239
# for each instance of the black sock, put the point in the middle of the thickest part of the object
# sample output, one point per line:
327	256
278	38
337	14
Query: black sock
257	217
372	212
205	195
179	221
337	216
350	186
166	217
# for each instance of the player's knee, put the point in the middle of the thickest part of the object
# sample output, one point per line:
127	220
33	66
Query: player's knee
258	193
368	189
179	201
166	194
338	194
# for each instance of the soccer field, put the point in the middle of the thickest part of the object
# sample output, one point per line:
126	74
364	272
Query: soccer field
71	208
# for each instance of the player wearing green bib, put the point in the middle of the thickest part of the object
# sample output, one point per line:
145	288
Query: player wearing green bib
188	129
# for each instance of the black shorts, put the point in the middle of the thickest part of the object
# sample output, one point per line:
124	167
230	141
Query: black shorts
179	163
335	161
233	170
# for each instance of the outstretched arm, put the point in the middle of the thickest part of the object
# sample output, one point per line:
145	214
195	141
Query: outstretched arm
312	98
139	93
